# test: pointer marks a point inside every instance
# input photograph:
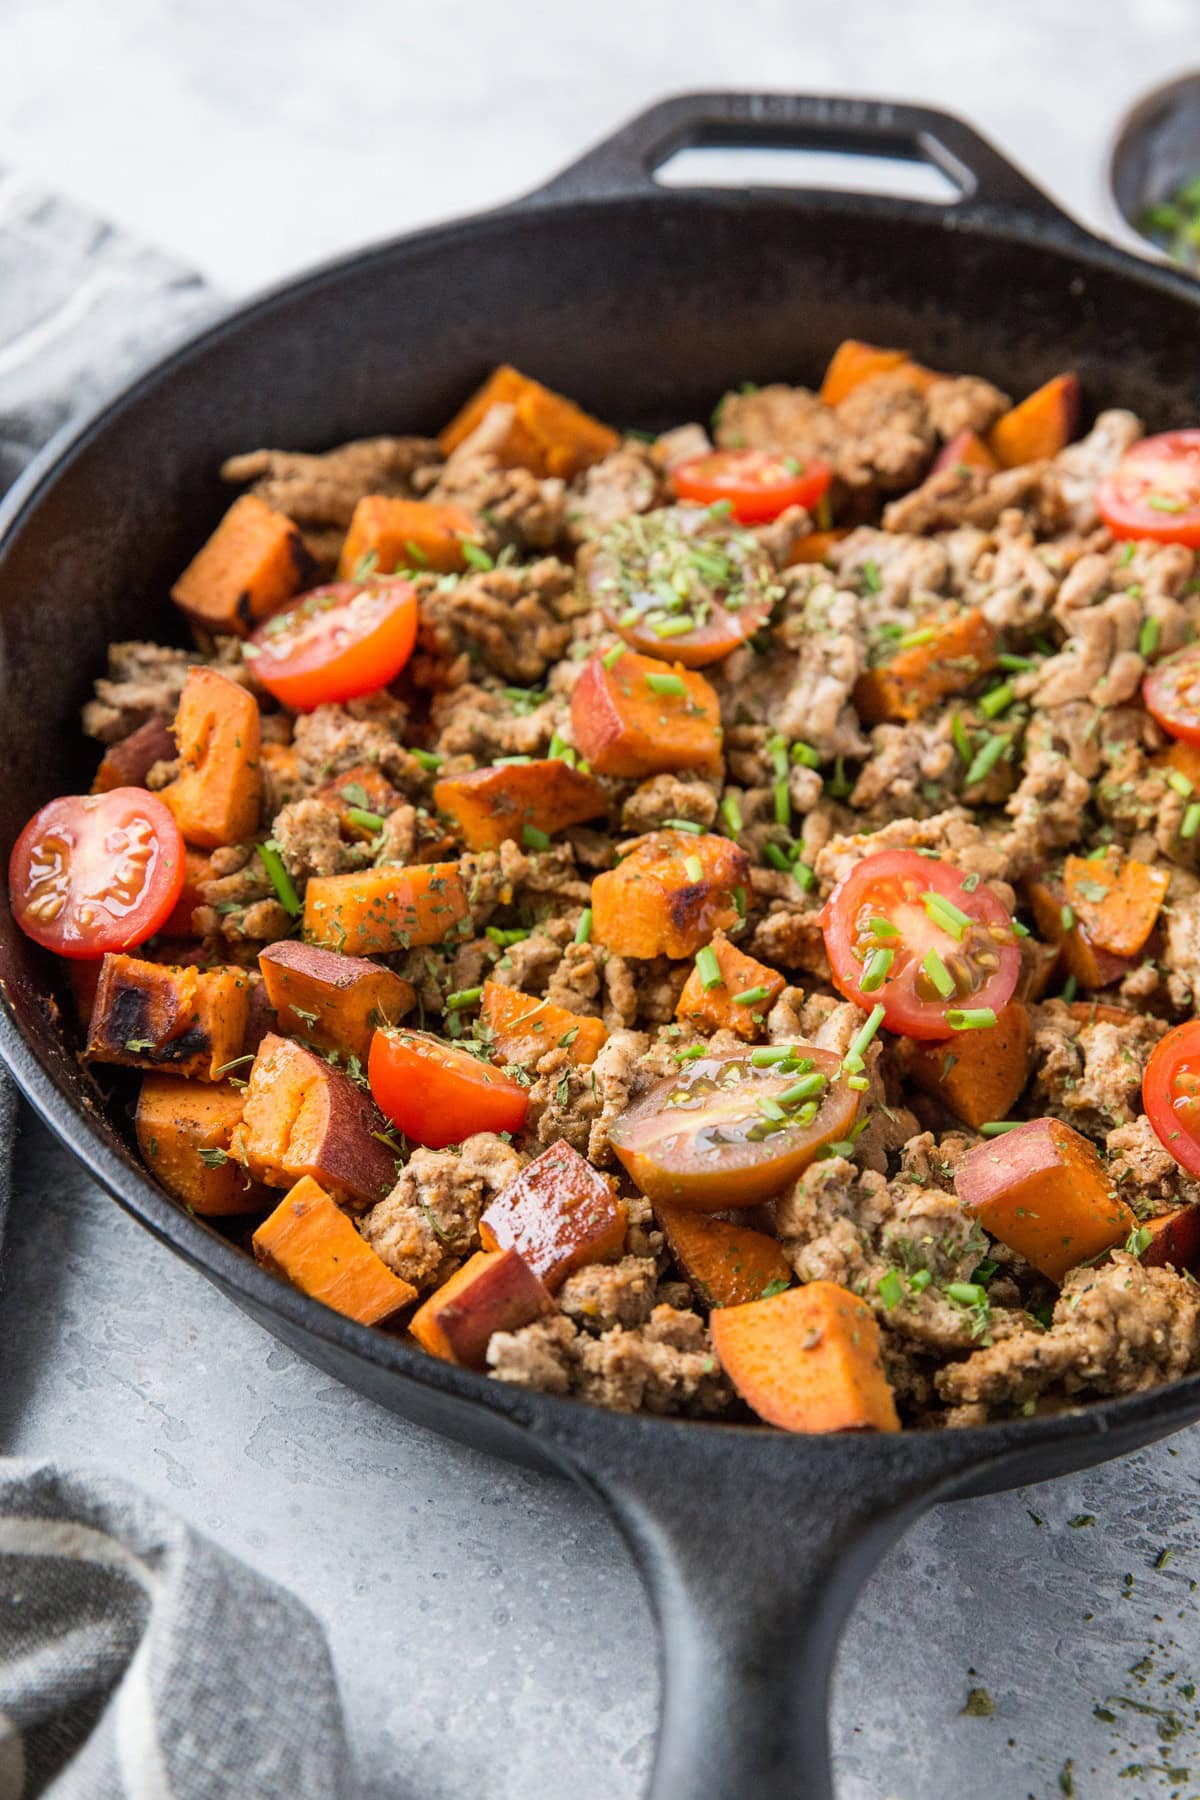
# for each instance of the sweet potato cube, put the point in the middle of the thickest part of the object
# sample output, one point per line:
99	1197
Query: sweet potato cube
523	1028
544	432
654	904
816	546
185	1133
738	1002
977	1074
559	1212
1091	966
361	789
1183	758
217	794
279	765
313	1245
963	647
854	362
637	716
128	762
495	1290
1040	426
807	1360
1043	1190
965	450
197	869
1174	1239
254	561
1116	899
490	805
150	1015
728	1265
304	1117
333	1001
378	912
406	534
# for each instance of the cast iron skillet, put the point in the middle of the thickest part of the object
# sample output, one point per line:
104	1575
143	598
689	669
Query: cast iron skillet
643	303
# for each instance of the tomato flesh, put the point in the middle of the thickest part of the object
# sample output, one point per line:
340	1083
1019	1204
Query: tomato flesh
926	944
758	484
438	1094
726	1132
1171	1094
337	643
92	873
1154	492
1171	692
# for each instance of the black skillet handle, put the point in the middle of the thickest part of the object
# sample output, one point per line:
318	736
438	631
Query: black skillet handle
625	162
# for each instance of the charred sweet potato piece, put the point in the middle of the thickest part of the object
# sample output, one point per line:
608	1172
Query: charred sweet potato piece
636	716
152	1015
807	1360
560	1213
304	1117
128	762
728	1265
962	647
816	546
185	1132
654	903
1116	899
854	362
545	432
362	789
406	534
334	1001
1042	1190
977	1074
511	799
1091	966
313	1245
378	912
965	450
254	561
495	1290
1174	1239
523	1028
741	999
1040	426
217	794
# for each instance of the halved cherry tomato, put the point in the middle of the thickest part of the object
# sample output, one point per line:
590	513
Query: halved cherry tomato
1171	1094
727	1132
438	1094
338	642
1154	492
96	872
1172	694
905	932
759	484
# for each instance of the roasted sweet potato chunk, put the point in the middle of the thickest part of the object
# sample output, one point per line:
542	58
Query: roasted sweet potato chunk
816	546
739	1002
854	362
128	762
655	904
1042	425
1174	1239
315	1247
185	1132
197	868
406	534
360	790
965	450
333	1001
152	1015
254	561
633	715
217	794
379	912
304	1117
542	431
1055	920
977	1074
962	647
513	800
495	1290
807	1360
1116	899
524	1028
560	1213
728	1265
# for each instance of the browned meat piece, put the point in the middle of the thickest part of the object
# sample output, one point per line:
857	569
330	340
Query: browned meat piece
430	1220
147	679
1087	1070
664	1366
1147	1176
669	797
625	482
889	437
517	621
324	490
606	1294
516	506
964	403
310	841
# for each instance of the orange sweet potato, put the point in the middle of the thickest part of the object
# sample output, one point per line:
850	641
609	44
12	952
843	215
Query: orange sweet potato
728	1265
406	534
1040	426
185	1132
854	362
560	1213
807	1360
816	546
197	868
333	1001
523	1029
495	1290
963	647
1091	966
625	724
977	1074
128	762
1043	1190
1116	899
304	1117
717	1008
152	1015
489	805
282	780
363	788
544	432
381	911
254	561
1183	758
313	1245
217	794
965	450
1174	1239
652	904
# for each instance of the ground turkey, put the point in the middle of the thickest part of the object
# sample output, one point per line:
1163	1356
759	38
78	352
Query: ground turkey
430	1220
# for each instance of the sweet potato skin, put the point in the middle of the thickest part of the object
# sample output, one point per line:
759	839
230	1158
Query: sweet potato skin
715	1009
128	762
649	905
185	1133
1042	425
560	1213
149	1015
406	534
963	649
977	1074
377	912
253	563
495	1290
217	794
965	450
304	1117
544	432
807	1360
491	804
523	1028
1120	920
311	1243
727	1265
334	1002
1174	1239
623	727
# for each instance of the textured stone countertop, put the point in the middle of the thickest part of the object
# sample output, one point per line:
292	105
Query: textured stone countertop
490	1634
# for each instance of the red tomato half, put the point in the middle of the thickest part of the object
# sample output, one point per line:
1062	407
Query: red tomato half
438	1094
96	872
1154	492
1171	1094
925	945
336	643
758	484
1172	694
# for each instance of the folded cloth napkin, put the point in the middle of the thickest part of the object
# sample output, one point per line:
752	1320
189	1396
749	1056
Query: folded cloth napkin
136	1658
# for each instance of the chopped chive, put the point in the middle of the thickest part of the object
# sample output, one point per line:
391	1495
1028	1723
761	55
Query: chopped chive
708	968
1008	659
777	858
876	970
943	912
369	821
676	627
683	825
281	881
993	703
1070	985
613	655
428	759
783	804
859	1083
804	875
970	1018
938	974
533	839
961	738
739	900
666	684
506	762
882	928
629	617
919	1281
689	1053
731	815
1020	930
805	754
476	555
583	930
504	936
1191	821
871	578
890	1289
770	1109
806	1088
778	751
767	1055
751	996
1148	637
998	1127
986	758
694	868
1139	1241
1166	503
863	1036
463	998
1179	781
909	640
966	1293
1067	915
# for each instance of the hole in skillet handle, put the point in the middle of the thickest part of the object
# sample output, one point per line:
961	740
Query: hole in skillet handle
843	171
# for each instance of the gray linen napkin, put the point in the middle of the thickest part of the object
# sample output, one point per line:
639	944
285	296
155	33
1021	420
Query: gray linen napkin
136	1658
